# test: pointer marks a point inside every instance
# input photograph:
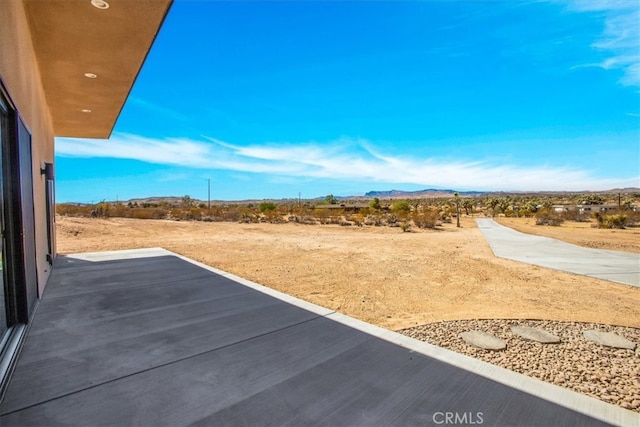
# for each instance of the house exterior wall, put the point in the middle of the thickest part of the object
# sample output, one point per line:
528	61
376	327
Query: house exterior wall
21	77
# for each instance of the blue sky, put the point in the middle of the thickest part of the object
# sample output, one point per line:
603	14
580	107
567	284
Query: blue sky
273	99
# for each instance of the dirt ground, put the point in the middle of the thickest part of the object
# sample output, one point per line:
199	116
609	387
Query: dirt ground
380	274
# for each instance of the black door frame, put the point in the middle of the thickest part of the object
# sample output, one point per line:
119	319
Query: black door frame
15	250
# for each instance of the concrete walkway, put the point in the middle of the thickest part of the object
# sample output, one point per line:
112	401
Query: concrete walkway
620	267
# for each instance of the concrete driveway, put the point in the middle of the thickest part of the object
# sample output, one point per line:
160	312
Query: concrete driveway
620	267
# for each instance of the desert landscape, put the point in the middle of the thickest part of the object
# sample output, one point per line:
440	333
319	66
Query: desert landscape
428	284
380	274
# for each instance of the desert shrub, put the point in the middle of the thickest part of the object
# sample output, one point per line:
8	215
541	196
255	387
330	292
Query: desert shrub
576	216
375	204
618	220
357	218
193	213
334	220
101	210
328	216
405	226
74	209
309	220
151	213
267	206
306	219
231	215
272	217
400	207
294	218
548	217
330	200
391	219
374	220
247	217
633	218
425	220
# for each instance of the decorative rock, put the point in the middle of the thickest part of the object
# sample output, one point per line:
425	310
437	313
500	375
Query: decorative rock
535	334
608	339
610	374
483	340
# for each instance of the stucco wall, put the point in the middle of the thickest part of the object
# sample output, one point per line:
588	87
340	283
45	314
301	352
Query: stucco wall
21	77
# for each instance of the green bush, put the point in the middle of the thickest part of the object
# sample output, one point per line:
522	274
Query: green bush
375	204
400	206
611	221
267	206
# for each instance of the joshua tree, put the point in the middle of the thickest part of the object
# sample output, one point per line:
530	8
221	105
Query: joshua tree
375	204
187	202
330	199
492	203
467	204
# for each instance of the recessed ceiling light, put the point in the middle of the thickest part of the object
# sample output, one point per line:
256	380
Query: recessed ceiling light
91	75
85	110
100	4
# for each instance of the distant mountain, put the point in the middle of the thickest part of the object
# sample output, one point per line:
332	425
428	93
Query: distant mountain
389	194
172	200
430	192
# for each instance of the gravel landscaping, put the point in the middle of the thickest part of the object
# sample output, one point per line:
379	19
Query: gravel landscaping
609	374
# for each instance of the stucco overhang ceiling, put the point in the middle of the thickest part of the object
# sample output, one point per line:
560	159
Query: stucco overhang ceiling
89	57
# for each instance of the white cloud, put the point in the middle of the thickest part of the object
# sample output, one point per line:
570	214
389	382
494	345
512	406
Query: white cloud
173	151
157	109
343	159
620	39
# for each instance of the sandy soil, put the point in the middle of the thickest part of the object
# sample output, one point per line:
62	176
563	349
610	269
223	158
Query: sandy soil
378	274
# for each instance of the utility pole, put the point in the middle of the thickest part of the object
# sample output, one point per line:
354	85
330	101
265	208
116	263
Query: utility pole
619	201
209	194
457	196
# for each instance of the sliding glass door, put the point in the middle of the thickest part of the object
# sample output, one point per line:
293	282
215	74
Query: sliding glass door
4	315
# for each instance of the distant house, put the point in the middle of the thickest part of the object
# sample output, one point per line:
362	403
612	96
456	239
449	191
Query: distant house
347	207
596	208
590	208
564	208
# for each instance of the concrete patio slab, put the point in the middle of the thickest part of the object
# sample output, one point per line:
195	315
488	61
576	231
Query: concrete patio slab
214	349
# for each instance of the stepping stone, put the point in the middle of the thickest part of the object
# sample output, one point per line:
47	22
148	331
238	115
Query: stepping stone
608	339
535	334
483	340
